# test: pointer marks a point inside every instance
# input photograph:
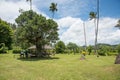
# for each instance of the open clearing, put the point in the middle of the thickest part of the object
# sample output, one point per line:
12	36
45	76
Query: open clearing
59	67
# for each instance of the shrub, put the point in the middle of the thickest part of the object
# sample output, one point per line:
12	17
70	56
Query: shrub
3	49
112	54
16	51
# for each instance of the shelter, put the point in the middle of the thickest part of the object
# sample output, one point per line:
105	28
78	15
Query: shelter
47	47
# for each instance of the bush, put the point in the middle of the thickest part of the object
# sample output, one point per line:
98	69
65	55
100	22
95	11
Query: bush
102	52
112	54
3	49
16	51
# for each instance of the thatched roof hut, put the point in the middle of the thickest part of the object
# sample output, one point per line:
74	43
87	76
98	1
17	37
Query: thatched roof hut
48	47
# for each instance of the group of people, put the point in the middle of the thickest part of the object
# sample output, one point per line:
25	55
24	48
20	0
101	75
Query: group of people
24	53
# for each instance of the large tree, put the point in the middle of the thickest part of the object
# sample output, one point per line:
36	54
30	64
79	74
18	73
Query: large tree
36	29
53	8
6	34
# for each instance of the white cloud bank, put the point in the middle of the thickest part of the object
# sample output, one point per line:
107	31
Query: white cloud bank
74	31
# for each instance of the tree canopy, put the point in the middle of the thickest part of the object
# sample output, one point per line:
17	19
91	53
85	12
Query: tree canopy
36	30
60	47
6	34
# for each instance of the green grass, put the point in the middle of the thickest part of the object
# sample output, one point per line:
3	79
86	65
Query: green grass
59	67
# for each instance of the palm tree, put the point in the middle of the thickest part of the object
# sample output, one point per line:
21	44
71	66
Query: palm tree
21	10
53	8
118	24
30	4
95	16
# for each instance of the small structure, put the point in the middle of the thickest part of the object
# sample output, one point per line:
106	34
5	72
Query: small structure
47	47
32	50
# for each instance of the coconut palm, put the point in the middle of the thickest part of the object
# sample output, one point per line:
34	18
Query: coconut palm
30	4
95	16
53	8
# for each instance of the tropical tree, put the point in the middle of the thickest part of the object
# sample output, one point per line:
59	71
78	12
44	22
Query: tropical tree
30	4
60	47
6	34
36	30
118	24
95	16
53	8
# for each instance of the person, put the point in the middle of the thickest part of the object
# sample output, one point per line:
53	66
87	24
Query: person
26	53
83	52
21	54
83	55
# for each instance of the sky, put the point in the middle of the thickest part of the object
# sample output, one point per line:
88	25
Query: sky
70	17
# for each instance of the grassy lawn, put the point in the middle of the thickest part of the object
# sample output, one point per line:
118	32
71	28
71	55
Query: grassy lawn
59	67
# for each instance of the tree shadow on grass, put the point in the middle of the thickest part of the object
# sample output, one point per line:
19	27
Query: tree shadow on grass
36	58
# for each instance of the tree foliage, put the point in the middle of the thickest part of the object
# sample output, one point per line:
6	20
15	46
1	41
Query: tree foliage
36	29
60	47
6	34
89	48
92	15
118	24
73	47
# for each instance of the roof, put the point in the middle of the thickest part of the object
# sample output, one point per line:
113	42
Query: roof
46	47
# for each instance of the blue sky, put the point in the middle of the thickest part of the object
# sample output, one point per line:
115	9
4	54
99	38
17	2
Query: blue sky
81	8
70	17
110	8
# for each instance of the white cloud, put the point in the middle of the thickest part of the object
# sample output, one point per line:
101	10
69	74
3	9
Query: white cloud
74	33
66	21
9	9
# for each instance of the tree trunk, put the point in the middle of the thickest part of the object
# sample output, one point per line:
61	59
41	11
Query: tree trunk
96	48
85	37
30	4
